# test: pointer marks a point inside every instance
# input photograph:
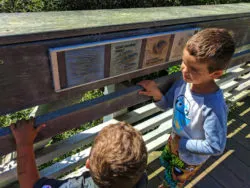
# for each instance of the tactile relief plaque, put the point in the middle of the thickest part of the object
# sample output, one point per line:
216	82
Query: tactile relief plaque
125	57
89	63
180	40
77	66
157	50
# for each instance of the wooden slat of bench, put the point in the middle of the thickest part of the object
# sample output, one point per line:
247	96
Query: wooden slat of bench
234	73
158	143
66	164
76	173
139	114
162	129
154	122
236	96
242	81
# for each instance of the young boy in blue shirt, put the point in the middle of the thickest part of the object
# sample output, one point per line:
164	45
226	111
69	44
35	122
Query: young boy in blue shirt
200	112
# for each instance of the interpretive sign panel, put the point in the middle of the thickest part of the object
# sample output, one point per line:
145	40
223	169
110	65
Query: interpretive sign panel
157	50
81	64
179	43
84	65
125	57
78	66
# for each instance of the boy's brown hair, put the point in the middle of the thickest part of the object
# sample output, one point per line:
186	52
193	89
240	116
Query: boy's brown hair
213	46
118	157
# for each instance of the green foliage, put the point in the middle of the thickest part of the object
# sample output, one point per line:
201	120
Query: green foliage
174	69
21	5
87	96
6	120
171	158
59	5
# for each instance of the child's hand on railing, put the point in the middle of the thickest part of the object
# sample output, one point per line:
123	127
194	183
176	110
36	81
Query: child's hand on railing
151	89
24	132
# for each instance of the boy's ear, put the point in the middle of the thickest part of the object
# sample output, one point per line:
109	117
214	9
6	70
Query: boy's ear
87	164
216	74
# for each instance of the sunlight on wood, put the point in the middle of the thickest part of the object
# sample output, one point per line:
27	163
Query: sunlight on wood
209	169
230	122
245	112
155	173
248	136
236	130
240	103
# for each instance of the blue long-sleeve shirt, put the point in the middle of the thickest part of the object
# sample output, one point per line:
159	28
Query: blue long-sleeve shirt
199	119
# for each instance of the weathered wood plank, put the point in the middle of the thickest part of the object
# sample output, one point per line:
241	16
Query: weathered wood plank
77	23
155	121
240	152
139	114
71	117
233	73
23	75
239	168
206	181
226	177
165	127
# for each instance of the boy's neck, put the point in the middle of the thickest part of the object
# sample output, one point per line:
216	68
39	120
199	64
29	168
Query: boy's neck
204	88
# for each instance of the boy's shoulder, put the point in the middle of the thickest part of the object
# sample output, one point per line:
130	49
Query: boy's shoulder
82	181
215	103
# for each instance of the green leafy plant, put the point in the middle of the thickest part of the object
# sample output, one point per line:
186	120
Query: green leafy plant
174	69
6	120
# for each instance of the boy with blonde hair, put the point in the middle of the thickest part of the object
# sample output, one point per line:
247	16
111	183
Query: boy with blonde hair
118	158
200	112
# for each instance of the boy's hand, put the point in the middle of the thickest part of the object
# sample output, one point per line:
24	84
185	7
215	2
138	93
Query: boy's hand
24	132
151	88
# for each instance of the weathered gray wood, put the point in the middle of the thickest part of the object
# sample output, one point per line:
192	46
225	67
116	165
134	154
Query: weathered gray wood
234	73
93	110
239	168
138	114
207	181
49	25
152	123
230	180
165	127
26	76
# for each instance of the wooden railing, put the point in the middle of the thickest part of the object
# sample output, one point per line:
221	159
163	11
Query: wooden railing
27	79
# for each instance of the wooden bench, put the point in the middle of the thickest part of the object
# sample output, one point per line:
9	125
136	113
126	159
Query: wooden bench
29	70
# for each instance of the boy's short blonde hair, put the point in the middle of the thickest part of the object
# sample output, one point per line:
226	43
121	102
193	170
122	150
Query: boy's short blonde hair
118	157
213	46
